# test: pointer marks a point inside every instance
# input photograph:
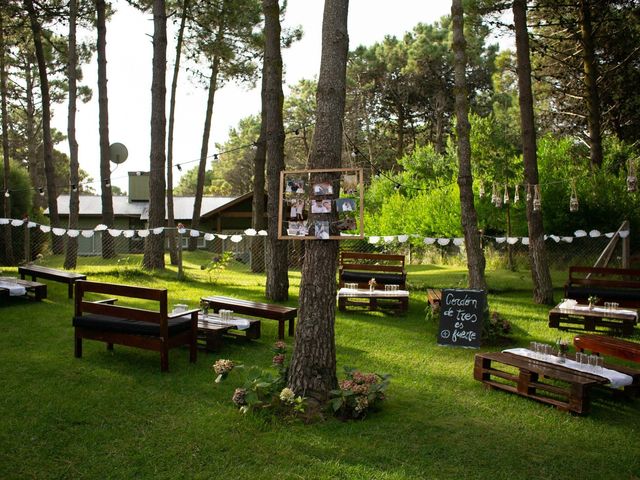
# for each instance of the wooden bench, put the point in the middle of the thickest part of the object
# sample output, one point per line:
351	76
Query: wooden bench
387	269
155	330
63	276
621	285
606	345
268	311
569	392
434	298
211	333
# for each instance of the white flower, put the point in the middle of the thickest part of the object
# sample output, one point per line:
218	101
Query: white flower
287	395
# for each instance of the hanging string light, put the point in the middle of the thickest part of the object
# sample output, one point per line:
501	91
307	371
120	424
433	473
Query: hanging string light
516	195
7	194
494	194
41	191
506	199
573	201
537	202
481	190
632	178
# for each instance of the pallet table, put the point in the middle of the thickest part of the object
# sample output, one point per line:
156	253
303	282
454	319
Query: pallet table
618	319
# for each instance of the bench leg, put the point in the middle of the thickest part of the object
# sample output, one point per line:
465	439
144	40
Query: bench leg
193	350
281	329
70	289
78	347
291	326
342	304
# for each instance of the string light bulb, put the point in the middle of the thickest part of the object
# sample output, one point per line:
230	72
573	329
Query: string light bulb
41	191
107	183
179	167
74	188
7	194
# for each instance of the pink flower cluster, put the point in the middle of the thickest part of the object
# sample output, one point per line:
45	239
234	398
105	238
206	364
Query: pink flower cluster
223	366
278	359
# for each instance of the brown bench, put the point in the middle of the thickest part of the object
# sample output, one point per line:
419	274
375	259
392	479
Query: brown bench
434	298
606	345
268	311
63	276
621	285
155	330
387	269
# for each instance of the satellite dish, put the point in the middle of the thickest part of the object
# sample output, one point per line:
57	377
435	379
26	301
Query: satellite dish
118	153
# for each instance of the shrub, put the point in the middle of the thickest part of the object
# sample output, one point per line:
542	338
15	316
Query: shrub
359	394
217	265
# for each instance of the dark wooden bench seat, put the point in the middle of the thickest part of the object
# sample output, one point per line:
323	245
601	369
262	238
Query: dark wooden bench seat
621	285
387	269
63	276
269	311
156	330
605	345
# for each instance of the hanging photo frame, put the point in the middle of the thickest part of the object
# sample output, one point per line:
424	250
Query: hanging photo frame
331	207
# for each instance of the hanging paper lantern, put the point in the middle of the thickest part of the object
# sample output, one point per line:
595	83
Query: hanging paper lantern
573	201
494	195
505	199
516	195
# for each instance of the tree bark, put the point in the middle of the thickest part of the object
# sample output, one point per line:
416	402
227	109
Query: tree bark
542	286
7	254
313	366
171	223
154	244
592	96
108	244
277	287
47	143
74	200
475	255
204	148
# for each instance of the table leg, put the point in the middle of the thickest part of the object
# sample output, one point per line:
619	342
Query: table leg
291	326
281	329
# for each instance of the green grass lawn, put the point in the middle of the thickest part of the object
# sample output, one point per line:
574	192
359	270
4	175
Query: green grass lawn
114	415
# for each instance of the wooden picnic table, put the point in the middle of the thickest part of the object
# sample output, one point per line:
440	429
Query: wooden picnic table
375	299
617	319
211	331
552	383
36	291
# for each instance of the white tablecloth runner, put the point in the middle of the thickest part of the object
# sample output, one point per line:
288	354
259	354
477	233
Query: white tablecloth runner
237	323
573	305
616	379
15	290
361	292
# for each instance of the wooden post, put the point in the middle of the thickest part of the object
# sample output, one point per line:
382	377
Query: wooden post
27	242
180	272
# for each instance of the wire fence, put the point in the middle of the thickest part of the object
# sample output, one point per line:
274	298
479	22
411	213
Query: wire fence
246	252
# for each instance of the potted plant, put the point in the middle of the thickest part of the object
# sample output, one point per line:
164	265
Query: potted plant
372	284
592	300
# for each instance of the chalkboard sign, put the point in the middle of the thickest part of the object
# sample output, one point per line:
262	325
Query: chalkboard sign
461	312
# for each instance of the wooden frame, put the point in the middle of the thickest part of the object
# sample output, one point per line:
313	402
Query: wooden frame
309	173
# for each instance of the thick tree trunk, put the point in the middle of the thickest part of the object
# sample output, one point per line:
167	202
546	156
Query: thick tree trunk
47	143
542	286
277	287
108	243
592	96
475	255
154	244
313	366
7	253
39	201
204	147
74	201
171	223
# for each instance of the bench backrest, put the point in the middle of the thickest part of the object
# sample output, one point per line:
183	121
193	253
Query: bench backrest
108	308
604	277
372	262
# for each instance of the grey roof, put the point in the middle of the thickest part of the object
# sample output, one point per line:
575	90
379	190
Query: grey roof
91	205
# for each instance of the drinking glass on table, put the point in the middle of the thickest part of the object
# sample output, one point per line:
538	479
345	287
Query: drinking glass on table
593	361
599	364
